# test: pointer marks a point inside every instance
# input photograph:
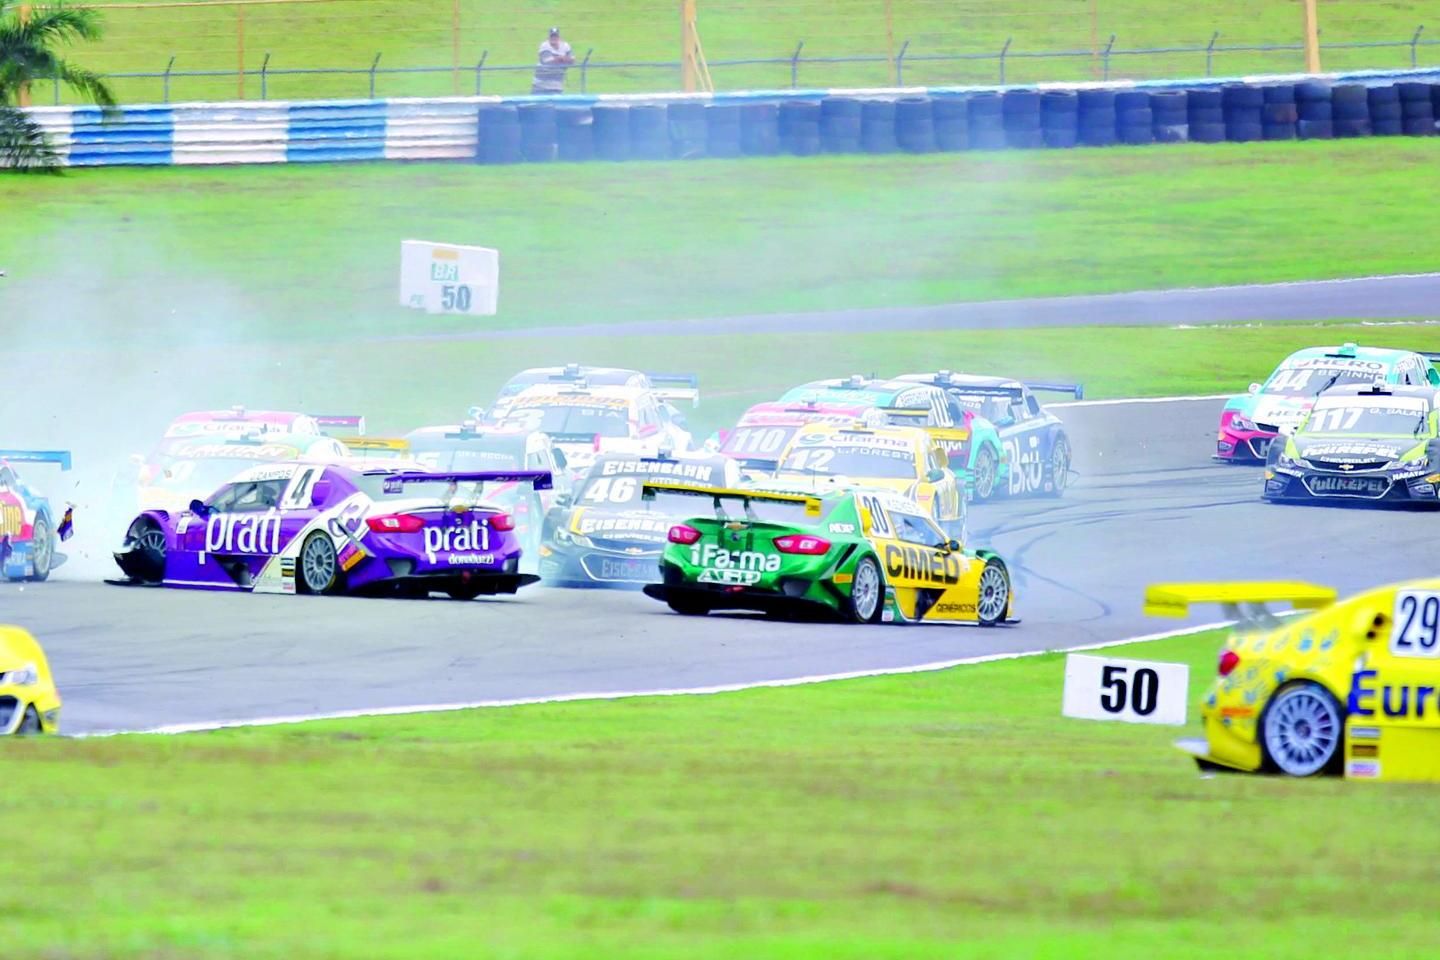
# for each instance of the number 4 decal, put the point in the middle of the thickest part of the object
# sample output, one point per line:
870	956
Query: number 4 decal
1416	631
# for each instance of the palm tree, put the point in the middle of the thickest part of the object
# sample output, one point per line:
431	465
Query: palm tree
27	54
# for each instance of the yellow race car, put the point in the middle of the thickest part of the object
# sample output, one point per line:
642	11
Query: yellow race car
904	460
29	702
1351	688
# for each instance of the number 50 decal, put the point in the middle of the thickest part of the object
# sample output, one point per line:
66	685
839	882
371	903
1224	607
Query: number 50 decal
453	297
1133	691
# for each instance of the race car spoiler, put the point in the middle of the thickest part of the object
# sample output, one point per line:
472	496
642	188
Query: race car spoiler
648	491
1077	390
540	479
341	421
675	386
376	443
62	457
1243	601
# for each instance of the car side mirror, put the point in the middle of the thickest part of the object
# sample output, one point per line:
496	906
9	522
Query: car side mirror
320	493
198	508
935	475
1254	388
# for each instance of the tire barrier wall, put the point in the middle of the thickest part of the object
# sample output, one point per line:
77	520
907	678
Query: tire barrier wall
493	130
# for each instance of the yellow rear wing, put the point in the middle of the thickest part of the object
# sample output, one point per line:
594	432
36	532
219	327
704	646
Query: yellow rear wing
920	417
812	504
1241	600
376	443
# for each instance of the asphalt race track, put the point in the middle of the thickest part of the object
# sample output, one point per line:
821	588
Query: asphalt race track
1148	505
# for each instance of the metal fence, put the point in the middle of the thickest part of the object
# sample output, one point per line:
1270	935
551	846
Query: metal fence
797	65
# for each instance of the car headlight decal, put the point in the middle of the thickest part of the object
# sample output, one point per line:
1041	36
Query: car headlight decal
26	676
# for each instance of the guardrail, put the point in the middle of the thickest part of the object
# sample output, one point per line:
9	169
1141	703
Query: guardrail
1104	57
751	123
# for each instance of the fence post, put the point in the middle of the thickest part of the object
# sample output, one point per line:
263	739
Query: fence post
240	47
1210	54
264	77
1004	50
57	90
167	77
585	70
900	64
373	66
1413	42
1106	61
479	67
795	65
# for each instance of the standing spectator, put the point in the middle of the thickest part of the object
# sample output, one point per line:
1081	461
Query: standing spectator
555	57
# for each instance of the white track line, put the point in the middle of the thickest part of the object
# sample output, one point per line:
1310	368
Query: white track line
176	728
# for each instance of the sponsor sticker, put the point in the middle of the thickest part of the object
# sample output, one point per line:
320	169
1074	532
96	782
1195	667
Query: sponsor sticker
1363	769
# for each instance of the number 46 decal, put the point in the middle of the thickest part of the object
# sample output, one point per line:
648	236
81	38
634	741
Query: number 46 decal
1416	631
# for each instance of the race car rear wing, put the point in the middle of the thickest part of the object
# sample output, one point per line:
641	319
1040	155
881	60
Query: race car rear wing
61	457
1077	390
676	386
372	444
1243	601
346	422
716	494
540	479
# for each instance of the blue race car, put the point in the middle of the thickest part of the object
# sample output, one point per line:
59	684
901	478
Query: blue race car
29	530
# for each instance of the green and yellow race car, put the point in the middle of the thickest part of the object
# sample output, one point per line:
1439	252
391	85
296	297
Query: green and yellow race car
862	555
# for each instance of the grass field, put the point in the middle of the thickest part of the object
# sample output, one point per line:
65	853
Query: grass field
289	253
412	33
951	814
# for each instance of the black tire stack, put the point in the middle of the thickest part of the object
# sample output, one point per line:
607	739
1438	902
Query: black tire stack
1060	118
574	134
688	129
915	125
499	133
1243	107
800	127
1350	105
611	131
649	132
1384	106
1417	110
538	134
877	126
840	125
1097	118
951	116
759	129
1134	120
1315	111
1169	113
987	122
1020	116
1278	116
722	129
1205	112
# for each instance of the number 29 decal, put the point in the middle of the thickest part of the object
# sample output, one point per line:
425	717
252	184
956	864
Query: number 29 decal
1417	624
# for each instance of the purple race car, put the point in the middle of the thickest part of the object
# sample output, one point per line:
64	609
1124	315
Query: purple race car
330	528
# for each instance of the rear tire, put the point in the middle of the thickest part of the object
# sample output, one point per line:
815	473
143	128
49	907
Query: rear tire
866	603
319	566
42	550
993	603
985	473
688	606
1302	731
1059	466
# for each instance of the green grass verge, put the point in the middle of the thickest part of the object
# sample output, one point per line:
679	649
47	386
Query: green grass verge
300	253
952	814
410	33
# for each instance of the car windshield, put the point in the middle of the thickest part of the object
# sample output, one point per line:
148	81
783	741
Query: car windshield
469	455
1310	380
885	462
601	421
1400	418
373	486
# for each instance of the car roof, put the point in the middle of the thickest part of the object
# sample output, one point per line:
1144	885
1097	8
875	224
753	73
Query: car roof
213	447
1350	351
945	378
579	393
574	371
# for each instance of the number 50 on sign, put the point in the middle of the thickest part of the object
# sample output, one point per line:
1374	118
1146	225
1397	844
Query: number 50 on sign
1133	691
448	278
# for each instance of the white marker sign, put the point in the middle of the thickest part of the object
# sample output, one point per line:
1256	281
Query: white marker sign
1134	691
445	278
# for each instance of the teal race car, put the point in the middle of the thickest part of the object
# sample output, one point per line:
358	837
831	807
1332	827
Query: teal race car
978	456
1252	420
838	552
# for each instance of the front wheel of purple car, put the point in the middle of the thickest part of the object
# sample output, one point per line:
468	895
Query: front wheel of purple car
145	551
319	566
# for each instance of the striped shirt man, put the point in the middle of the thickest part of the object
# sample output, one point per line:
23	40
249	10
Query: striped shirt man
555	58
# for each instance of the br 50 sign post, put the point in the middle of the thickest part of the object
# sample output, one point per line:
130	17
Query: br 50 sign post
447	278
1134	691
